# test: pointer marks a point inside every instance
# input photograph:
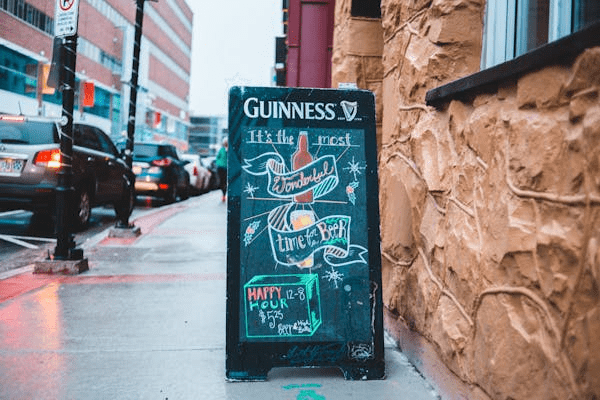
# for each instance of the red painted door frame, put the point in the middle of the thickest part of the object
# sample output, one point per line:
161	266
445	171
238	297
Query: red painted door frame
310	43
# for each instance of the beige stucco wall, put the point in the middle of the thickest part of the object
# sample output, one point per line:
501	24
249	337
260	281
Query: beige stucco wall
490	208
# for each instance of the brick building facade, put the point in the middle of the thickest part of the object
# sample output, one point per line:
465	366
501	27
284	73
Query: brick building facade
105	49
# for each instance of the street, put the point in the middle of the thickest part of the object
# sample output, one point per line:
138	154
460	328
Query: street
147	321
24	238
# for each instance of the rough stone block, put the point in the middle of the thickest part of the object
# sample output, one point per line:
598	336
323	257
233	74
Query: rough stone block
581	102
542	89
365	38
461	26
61	267
515	355
585	71
451	331
397	229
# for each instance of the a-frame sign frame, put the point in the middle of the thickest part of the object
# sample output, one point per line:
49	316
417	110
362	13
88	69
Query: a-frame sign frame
303	259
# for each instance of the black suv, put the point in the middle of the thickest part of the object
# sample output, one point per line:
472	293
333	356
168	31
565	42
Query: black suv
159	172
30	159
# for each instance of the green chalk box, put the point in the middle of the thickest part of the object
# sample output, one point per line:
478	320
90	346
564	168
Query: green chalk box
282	306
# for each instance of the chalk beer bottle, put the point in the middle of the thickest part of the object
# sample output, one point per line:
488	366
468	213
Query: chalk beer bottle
302	217
301	158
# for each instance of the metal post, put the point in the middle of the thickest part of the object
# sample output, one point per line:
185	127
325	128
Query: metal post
38	93
65	245
139	19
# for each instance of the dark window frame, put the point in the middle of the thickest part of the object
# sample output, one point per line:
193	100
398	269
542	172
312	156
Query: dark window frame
562	51
366	8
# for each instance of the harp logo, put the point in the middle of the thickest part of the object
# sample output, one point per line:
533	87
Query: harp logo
350	109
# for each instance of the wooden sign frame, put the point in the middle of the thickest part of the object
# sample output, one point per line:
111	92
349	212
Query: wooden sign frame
303	258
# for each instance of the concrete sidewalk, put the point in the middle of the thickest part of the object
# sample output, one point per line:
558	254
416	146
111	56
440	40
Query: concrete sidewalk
147	321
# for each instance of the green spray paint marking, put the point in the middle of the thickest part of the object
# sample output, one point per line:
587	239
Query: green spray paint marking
306	394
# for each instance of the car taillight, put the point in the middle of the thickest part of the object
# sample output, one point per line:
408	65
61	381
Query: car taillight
165	162
48	158
12	118
195	171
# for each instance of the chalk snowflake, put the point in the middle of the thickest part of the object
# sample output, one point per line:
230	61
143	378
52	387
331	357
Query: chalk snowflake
334	276
249	189
354	168
250	231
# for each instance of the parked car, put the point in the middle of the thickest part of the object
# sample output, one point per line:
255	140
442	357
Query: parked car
199	175
30	161
209	164
159	172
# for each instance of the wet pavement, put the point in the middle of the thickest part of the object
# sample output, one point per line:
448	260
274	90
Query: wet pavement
147	321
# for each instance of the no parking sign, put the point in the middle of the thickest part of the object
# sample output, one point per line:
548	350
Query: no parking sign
65	17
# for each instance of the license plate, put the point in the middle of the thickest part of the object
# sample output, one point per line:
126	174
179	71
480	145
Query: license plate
11	166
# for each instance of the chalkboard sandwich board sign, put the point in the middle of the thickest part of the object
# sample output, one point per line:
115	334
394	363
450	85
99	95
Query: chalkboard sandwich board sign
303	259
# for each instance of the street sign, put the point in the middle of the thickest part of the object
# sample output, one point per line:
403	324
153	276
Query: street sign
65	18
303	263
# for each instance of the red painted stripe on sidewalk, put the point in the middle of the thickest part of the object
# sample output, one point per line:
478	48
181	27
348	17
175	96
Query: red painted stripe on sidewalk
146	225
183	232
21	284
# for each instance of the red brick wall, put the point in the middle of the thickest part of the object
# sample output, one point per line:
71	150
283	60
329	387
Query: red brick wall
153	32
164	105
97	29
126	8
25	35
162	75
45	6
174	22
94	70
185	9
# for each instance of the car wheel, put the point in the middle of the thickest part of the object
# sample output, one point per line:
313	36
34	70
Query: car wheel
124	207
185	193
82	208
171	196
212	185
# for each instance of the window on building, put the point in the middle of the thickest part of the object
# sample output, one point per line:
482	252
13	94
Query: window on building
18	73
585	12
366	8
514	27
28	13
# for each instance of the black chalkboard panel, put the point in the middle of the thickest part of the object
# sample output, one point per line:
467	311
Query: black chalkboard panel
303	261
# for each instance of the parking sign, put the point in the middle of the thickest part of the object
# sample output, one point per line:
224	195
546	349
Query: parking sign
65	17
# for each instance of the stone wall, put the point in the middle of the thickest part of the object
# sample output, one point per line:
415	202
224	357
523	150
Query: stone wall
356	56
490	208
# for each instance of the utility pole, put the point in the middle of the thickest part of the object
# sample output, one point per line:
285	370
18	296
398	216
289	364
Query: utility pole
139	20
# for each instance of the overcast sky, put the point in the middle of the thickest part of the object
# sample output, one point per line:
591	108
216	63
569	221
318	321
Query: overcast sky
233	44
